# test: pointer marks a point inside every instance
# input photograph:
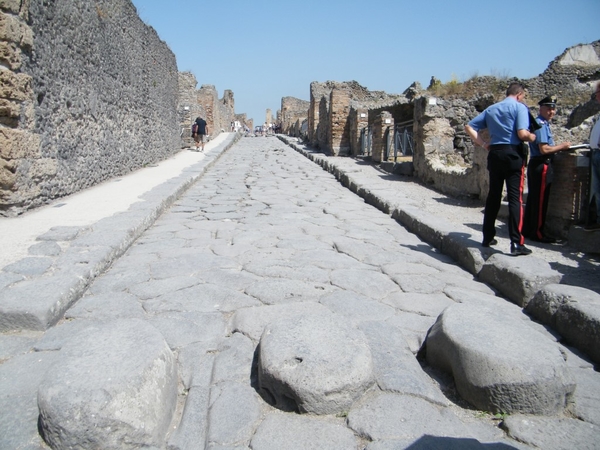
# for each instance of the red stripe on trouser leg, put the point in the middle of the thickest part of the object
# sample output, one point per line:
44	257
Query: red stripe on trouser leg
541	200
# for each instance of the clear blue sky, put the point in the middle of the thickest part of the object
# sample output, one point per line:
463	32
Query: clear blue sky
264	50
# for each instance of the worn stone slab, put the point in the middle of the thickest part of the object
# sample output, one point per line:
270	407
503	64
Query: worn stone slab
39	303
586	401
429	442
63	332
230	426
573	311
61	233
155	288
414	327
290	269
30	266
44	249
429	228
460	245
19	381
375	285
423	304
203	298
395	367
518	278
278	291
252	321
107	307
14	344
191	432
279	431
313	364
184	328
548	300
356	307
552	433
499	364
191	361
114	386
386	416
234	359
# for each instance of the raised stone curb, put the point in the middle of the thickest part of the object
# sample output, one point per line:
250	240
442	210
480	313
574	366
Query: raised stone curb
38	302
499	364
573	311
114	386
313	364
518	278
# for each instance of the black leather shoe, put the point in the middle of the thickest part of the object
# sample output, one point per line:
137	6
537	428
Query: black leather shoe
489	243
518	249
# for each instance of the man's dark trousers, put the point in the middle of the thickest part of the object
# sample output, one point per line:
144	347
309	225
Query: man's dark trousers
505	164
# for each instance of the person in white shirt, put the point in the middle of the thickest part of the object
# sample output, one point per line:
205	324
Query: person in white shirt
595	162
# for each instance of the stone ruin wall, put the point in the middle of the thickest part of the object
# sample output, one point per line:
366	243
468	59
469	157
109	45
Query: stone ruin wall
293	113
205	103
88	93
118	105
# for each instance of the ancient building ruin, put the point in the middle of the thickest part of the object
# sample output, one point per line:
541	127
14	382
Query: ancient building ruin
344	118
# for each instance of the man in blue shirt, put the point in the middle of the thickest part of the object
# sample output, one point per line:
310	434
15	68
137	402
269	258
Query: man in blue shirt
508	125
540	173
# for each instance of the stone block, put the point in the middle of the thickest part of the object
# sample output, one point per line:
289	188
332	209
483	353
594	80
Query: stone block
17	144
579	324
518	278
10	55
499	363
313	364
13	29
114	387
12	6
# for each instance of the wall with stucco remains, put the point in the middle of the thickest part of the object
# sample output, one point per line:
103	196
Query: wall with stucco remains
89	93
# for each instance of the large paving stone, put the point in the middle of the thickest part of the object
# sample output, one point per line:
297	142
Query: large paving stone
385	416
286	431
499	364
252	321
518	278
114	386
396	368
551	433
313	363
229	425
278	291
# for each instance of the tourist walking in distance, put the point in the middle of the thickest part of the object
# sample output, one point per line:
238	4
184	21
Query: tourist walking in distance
508	125
540	173
595	162
201	132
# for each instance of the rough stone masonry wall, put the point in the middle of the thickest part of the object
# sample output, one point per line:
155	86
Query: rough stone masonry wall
188	107
91	94
292	110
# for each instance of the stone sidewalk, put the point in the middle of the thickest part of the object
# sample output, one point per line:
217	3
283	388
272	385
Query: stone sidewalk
260	289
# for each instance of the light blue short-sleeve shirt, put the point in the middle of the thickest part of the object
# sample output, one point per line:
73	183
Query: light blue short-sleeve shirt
542	136
502	120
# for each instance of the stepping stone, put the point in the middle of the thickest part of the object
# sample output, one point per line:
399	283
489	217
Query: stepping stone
313	364
499	363
114	386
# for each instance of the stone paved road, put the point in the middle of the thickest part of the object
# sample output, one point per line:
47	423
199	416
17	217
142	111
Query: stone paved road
266	236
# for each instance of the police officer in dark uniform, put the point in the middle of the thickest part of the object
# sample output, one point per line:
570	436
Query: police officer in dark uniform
540	173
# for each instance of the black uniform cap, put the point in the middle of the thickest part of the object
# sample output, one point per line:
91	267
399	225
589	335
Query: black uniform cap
549	100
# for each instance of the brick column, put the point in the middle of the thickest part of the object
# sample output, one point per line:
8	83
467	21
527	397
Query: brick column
383	125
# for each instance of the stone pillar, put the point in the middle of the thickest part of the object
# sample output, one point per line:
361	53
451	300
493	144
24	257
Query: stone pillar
208	98
359	120
338	134
269	117
383	125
